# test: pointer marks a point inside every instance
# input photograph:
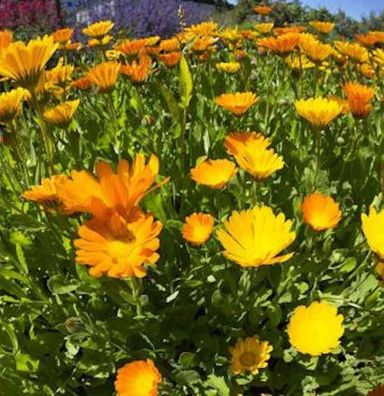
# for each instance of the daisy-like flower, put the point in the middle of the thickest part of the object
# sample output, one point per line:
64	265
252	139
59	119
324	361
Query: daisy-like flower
58	80
25	63
62	36
82	83
119	246
262	10
138	72
236	141
214	173
299	62
281	45
315	50
322	27
359	98
320	211
99	42
105	75
138	378
62	114
98	29
279	31
378	56
5	38
201	30
353	51
228	67
198	228
204	44
132	47
315	329
255	237
264	27
250	354
237	103
10	104
319	112
170	45
373	225
170	59
367	40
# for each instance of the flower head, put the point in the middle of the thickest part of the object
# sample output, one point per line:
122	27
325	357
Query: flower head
250	354
214	173
198	228
319	112
104	75
237	103
62	114
170	59
315	329
353	51
264	27
170	45
359	98
10	104
138	378
138	72
98	29
5	38
373	225
83	83
256	236
228	67
281	45
320	211
315	50
322	27
62	36
262	10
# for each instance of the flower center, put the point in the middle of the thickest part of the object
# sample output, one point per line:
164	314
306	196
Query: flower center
248	359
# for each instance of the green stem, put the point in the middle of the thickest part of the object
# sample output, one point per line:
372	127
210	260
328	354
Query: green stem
135	286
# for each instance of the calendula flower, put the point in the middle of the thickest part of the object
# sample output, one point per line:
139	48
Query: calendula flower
262	10
204	44
319	112
62	114
198	228
119	246
315	329
99	42
203	29
378	56
214	173
228	67
58	80
47	193
255	237
62	36
170	45
99	29
132	47
299	62
366	70
367	40
320	211
279	31
236	142
170	59
5	38
354	51
138	378
10	104
322	27
281	45
264	27
105	75
83	83
138	72
372	225
250	354
359	98
314	49
25	63
237	103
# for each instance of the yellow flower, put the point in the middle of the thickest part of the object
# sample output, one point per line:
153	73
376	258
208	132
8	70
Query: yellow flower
299	62
198	228
281	45
95	42
378	56
99	29
322	27
235	142
170	59
359	98
228	67
214	173
315	329
200	30
255	237
5	38
25	63
279	31
62	114
237	103
250	354
10	104
138	72
203	44
319	112
373	225
320	211
170	45
314	49
62	36
138	378
58	80
104	75
264	27
353	50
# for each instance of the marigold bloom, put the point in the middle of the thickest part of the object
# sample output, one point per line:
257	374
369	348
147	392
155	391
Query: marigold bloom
281	45
359	98
170	59
373	225
353	50
198	228
237	103
250	354
62	114
203	44
132	47
105	75
255	237
10	104
202	29
82	83
170	45
299	62
320	211
264	27
99	42
214	173
289	29
235	142
367	40
314	49
62	36
119	246
24	63
47	193
98	29
315	329
58	80
138	72
138	378
319	112
366	70
262	10
322	27
228	67
5	38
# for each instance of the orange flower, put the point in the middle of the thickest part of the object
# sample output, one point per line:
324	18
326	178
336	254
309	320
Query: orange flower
359	98
203	44
281	45
99	42
138	72
314	49
262	10
132	47
5	38
104	75
235	142
98	29
367	40
353	50
320	211
62	36
10	104
237	103
138	378
62	114
119	246
172	59
214	173
170	45
198	228
322	27
289	29
82	83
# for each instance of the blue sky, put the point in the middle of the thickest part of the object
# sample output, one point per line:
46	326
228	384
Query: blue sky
354	8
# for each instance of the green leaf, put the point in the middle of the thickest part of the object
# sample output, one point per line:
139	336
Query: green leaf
186	83
219	384
26	363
